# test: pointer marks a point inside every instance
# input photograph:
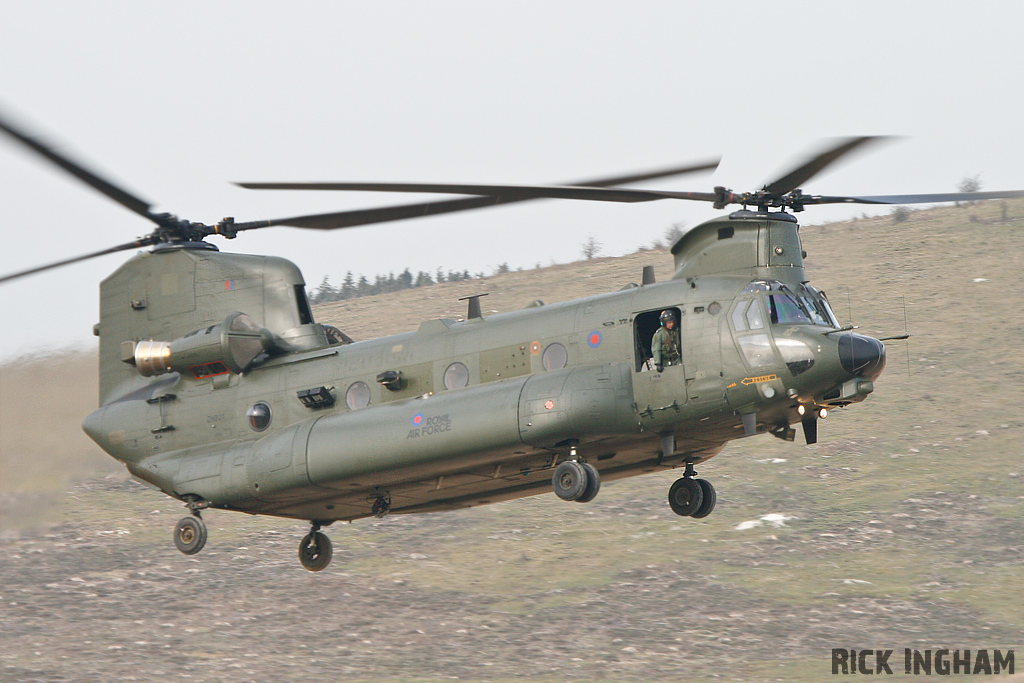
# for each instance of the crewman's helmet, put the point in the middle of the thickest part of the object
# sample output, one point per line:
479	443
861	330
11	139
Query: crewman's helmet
667	315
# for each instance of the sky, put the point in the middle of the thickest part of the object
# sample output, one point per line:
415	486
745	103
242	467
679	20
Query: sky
174	101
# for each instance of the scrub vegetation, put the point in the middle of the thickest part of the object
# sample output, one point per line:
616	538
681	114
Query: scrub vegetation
900	528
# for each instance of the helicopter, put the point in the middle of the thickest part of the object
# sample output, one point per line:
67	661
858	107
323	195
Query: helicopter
219	389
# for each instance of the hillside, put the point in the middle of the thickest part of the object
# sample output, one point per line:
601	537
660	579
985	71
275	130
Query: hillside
900	528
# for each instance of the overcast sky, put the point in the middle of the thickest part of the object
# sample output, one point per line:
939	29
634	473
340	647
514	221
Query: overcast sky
175	100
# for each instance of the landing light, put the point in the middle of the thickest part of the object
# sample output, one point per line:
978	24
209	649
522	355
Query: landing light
800	409
823	413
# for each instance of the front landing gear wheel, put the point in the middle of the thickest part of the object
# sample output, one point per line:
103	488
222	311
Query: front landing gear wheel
710	498
685	497
190	535
315	551
569	480
593	483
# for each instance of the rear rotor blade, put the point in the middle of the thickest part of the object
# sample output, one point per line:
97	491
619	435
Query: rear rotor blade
118	194
801	174
142	242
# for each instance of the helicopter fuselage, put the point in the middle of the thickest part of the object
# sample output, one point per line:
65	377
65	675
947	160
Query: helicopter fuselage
459	413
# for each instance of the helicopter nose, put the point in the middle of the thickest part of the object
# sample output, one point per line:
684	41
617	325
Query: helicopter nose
862	356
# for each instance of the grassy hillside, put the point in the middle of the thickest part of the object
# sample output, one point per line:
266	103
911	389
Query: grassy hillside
901	528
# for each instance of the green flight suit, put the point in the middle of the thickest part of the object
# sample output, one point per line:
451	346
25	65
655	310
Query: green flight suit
665	347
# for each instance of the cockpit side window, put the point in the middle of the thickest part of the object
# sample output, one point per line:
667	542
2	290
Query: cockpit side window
738	321
754	318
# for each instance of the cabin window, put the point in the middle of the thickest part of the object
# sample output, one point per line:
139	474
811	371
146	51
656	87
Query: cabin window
358	395
456	376
259	416
555	357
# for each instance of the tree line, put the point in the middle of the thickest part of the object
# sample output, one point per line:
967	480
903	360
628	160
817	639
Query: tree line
353	287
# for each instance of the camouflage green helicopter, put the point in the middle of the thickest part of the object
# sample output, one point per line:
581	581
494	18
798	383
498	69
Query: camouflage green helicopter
218	388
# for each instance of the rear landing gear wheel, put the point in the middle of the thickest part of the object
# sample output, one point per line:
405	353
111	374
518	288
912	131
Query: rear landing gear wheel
593	483
709	499
685	497
569	480
315	551
190	535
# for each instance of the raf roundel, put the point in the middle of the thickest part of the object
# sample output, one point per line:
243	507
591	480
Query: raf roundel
594	339
417	419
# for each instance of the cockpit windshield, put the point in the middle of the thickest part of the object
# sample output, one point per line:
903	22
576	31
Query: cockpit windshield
807	306
817	306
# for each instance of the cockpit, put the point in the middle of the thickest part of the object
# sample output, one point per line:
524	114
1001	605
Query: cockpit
764	311
804	305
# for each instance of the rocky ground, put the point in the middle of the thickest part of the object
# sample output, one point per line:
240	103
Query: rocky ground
521	590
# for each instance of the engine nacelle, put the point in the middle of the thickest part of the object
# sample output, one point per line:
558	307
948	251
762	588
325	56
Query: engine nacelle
230	346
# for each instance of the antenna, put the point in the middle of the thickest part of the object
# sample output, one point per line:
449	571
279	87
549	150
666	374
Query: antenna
849	305
907	333
648	276
474	305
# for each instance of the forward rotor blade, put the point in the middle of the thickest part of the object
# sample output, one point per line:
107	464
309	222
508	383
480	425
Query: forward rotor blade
918	198
118	194
518	192
801	174
511	192
142	242
354	218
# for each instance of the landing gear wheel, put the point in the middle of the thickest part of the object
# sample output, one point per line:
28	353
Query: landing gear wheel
593	484
710	498
315	551
190	535
569	480
685	497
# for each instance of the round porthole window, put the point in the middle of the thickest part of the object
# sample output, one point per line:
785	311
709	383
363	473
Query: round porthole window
456	376
555	357
259	416
358	395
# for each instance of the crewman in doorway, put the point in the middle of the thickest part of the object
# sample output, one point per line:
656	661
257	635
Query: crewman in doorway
665	346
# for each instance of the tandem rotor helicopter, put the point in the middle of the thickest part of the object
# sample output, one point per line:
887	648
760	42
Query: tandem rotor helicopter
218	387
